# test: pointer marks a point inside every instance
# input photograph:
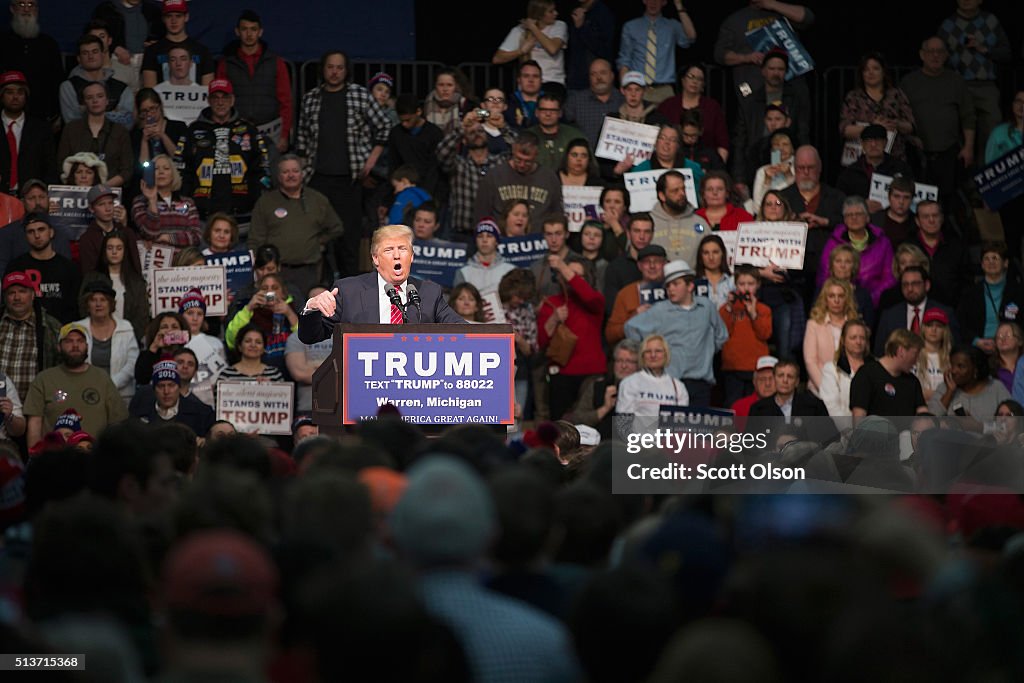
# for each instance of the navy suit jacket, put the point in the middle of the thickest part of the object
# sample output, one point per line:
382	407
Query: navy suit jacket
358	302
37	152
895	318
191	411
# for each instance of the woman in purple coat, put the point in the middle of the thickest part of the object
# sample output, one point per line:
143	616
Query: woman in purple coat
870	242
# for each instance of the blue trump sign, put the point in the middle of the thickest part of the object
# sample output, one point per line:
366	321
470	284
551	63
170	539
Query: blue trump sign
1002	180
779	34
238	267
453	378
438	260
523	250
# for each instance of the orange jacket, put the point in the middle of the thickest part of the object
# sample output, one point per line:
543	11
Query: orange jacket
748	340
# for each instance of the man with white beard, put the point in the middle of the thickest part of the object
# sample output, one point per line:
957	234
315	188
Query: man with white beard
24	48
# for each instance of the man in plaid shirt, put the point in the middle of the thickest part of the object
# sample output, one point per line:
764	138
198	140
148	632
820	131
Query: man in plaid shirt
465	158
342	132
29	334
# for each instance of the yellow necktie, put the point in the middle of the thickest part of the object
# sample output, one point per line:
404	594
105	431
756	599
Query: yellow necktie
651	58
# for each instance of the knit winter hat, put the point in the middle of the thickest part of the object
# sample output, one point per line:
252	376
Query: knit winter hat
166	369
69	419
488	224
381	77
193	299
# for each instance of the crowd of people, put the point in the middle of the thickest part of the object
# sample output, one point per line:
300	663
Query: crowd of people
147	533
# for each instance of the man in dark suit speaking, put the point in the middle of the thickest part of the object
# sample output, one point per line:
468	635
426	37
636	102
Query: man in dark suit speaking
374	297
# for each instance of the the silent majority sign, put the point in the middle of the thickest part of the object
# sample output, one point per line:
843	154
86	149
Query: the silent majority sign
260	407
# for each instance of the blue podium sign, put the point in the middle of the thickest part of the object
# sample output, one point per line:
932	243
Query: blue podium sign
440	378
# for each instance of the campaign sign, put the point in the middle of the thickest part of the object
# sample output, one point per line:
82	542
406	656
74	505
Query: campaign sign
69	208
780	34
182	102
652	292
880	191
1002	180
580	203
438	260
643	191
261	407
238	267
432	379
782	244
853	149
494	312
695	419
171	284
728	238
620	138
523	250
271	130
153	257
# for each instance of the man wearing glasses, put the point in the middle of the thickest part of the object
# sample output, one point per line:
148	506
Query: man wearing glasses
26	49
915	285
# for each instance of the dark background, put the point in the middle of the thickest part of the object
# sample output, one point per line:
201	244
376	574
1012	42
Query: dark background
456	31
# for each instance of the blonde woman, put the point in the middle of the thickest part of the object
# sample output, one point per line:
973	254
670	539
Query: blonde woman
161	213
834	306
844	264
933	362
836	376
643	392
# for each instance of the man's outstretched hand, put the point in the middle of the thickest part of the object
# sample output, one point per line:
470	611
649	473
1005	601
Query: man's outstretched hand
325	302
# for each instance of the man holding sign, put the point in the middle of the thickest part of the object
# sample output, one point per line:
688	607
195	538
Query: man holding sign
856	178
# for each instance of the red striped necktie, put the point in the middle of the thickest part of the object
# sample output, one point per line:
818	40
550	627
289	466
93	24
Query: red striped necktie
396	312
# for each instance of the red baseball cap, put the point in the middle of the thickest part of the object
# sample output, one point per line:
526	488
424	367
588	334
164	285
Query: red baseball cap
219	573
933	315
12	78
221	85
172	6
21	279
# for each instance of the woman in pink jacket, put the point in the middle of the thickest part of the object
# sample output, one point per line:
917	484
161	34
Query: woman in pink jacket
834	306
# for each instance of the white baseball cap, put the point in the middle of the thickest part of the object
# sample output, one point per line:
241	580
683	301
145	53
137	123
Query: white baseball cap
634	78
767	362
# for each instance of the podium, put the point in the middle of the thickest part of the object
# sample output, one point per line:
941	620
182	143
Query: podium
436	375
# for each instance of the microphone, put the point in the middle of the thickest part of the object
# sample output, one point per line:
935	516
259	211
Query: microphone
393	295
414	294
414	298
396	299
